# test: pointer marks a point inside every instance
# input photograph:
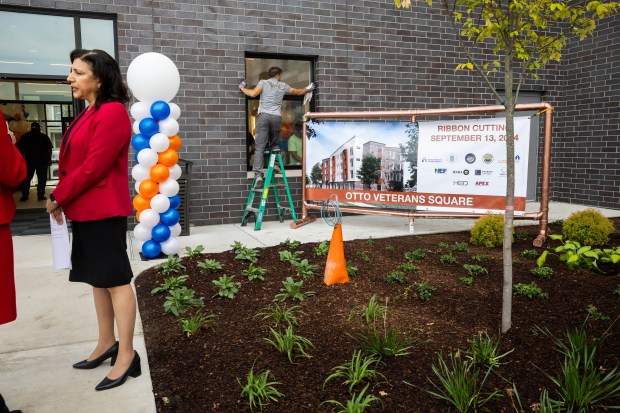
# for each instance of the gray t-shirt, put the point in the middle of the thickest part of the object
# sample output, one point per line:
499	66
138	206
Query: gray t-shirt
271	96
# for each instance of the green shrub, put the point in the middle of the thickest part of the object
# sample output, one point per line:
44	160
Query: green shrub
588	227
488	231
542	272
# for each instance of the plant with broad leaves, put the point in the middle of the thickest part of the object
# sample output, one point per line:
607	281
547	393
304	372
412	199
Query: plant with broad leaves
179	300
290	257
290	244
210	265
416	255
247	254
259	390
443	245
351	269
321	249
529	253
293	291
396	277
467	280
171	266
530	290
408	267
473	270
448	259
596	314
364	256
226	286
290	343
357	404
196	322
171	283
305	269
254	273
481	257
237	246
425	291
460	247
281	314
358	370
573	254
194	253
370	241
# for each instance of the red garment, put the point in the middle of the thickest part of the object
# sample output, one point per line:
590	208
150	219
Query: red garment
92	166
12	173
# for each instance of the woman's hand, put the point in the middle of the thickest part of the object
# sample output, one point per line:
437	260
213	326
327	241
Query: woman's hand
54	210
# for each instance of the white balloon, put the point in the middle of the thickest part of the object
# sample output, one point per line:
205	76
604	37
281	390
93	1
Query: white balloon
175	172
169	187
169	126
170	246
140	110
175	110
153	76
136	186
159	142
140	173
149	218
136	126
175	230
147	157
141	232
160	203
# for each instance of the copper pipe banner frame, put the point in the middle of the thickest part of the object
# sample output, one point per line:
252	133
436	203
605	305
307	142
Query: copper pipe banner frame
542	215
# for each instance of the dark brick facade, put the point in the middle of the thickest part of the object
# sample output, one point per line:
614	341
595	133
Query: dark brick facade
369	56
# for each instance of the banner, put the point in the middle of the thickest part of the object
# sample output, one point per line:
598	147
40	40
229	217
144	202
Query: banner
468	157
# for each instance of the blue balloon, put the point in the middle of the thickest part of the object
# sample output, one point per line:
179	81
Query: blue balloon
160	110
148	127
151	249
139	142
160	233
175	201
170	217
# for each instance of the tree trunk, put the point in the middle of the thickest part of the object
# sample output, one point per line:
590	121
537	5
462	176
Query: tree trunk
510	186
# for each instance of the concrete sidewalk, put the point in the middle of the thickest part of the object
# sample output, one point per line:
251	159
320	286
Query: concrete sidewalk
56	324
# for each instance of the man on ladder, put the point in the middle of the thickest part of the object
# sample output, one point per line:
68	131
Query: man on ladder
269	120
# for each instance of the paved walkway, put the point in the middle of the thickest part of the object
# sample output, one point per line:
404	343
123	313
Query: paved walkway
56	324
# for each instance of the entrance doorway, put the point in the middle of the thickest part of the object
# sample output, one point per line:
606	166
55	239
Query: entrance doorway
50	104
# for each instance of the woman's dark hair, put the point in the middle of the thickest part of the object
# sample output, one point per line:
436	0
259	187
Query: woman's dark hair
106	70
274	71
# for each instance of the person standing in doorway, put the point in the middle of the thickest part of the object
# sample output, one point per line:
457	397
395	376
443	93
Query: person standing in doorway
93	192
295	145
12	173
37	150
269	120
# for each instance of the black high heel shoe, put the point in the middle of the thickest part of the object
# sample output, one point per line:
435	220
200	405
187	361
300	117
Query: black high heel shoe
86	365
134	370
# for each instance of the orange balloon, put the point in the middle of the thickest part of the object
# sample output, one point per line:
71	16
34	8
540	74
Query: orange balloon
149	188
141	203
175	142
159	173
286	130
138	215
169	157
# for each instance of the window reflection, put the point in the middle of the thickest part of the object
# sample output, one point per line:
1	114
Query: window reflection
98	34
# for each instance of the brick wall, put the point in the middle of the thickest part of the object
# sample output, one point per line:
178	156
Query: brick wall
369	56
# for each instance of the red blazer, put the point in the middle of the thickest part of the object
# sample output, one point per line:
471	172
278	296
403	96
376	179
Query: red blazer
12	174
92	165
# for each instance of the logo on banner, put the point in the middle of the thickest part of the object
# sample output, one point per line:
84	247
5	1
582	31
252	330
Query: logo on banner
435	160
452	158
517	158
460	183
482	183
470	158
487	158
440	170
503	171
481	172
461	172
466	172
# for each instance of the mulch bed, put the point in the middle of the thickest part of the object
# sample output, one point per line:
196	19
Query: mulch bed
199	374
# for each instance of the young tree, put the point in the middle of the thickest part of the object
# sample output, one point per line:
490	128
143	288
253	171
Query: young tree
315	175
524	35
410	152
370	171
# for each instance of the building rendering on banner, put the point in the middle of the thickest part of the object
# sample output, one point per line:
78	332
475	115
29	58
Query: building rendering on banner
367	56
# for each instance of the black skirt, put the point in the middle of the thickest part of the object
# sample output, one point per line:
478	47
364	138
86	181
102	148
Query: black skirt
99	253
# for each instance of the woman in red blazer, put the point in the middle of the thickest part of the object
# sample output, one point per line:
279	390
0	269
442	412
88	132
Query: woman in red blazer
12	172
93	192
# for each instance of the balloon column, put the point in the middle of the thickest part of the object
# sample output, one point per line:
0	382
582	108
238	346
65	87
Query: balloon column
154	81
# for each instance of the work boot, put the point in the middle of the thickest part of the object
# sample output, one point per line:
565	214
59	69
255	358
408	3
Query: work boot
41	198
258	181
24	198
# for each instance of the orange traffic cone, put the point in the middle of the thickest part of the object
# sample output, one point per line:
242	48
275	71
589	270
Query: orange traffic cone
336	267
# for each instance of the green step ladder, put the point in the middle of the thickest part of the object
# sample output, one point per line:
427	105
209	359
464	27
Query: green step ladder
270	181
